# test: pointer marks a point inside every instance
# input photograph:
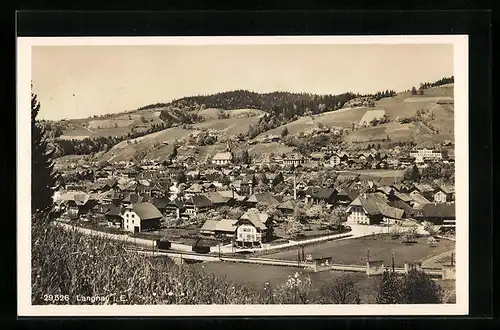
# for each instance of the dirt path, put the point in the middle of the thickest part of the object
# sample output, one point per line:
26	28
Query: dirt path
434	261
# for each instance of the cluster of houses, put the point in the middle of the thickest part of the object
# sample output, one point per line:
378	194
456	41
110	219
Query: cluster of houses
142	198
372	159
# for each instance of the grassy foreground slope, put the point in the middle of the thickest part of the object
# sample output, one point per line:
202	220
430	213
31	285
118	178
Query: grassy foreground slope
71	263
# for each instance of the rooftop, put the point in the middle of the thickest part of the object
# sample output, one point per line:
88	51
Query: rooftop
145	210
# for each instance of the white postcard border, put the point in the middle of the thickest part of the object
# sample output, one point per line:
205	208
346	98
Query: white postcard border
25	308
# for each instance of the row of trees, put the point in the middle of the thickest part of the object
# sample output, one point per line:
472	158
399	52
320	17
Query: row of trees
176	116
442	81
311	144
380	95
239	99
426	85
92	145
432	172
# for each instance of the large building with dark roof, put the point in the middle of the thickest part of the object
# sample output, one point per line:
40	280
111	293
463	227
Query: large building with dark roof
141	217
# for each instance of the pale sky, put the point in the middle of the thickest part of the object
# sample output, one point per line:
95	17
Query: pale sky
81	81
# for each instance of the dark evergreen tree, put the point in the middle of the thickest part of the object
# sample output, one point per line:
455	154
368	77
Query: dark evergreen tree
413	91
245	157
284	132
44	179
174	153
181	177
278	179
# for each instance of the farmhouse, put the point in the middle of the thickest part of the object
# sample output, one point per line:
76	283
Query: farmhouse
197	204
223	158
224	228
252	229
316	195
217	199
439	214
286	207
194	189
338	158
113	216
140	217
80	204
391	215
294	160
368	209
418	200
444	194
261	199
345	196
231	194
317	157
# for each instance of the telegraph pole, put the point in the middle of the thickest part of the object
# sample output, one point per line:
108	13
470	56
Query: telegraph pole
294	185
393	262
368	255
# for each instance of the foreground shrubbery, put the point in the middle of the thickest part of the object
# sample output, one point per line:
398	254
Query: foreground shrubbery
70	263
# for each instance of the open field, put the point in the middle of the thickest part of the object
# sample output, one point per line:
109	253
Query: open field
145	144
213	113
399	133
231	127
339	118
81	132
354	251
109	123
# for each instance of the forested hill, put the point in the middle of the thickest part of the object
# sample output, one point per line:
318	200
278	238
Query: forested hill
299	103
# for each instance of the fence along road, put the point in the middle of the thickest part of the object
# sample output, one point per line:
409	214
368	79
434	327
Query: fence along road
148	247
265	261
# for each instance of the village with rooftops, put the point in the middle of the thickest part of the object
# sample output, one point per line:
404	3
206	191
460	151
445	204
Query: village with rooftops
334	197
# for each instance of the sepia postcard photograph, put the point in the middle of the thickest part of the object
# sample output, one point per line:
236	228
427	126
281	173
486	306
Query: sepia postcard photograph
207	176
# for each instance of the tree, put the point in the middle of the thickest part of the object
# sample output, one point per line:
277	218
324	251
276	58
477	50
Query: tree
413	91
284	132
389	289
315	211
181	177
43	179
209	140
292	228
412	173
278	179
421	91
173	154
429	228
419	288
299	215
432	172
263	179
338	216
245	157
340	291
